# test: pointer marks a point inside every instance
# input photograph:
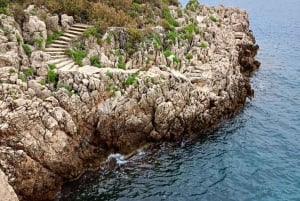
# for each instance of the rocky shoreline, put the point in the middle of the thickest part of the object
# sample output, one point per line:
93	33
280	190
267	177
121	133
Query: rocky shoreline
52	132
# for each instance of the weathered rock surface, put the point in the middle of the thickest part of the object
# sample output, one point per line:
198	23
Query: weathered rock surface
53	132
35	32
7	193
66	21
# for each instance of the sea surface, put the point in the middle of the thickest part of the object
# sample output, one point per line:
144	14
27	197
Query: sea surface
253	156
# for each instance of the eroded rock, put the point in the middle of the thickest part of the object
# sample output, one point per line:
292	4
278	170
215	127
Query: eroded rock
53	130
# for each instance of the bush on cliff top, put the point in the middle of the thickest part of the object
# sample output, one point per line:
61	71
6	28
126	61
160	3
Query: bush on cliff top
104	13
3	5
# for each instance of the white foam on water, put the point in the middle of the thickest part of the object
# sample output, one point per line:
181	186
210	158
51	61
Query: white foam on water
120	159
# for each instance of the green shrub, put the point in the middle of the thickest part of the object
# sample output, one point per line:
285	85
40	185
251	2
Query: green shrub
148	60
212	18
188	31
52	66
109	74
95	61
93	31
108	40
130	80
19	39
167	53
166	25
176	59
203	44
166	14
42	82
188	56
66	86
52	77
11	71
22	77
99	41
27	49
193	5
121	63
39	42
28	72
3	5
78	54
173	36
53	37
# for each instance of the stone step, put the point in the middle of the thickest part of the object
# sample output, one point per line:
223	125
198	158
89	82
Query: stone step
59	56
67	67
56	53
195	74
72	68
64	63
71	35
197	71
197	79
77	29
82	25
201	68
57	60
61	42
67	39
57	45
54	49
74	32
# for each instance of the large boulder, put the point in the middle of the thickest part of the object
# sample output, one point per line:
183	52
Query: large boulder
35	32
66	21
38	62
52	23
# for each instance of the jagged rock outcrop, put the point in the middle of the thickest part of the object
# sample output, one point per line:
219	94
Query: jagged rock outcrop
10	37
35	32
52	130
66	21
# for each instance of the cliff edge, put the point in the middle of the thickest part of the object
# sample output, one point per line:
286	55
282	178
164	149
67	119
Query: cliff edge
67	103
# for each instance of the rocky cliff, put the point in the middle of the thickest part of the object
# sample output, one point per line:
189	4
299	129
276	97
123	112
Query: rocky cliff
178	82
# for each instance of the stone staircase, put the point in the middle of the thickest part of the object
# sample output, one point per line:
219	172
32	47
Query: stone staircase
58	48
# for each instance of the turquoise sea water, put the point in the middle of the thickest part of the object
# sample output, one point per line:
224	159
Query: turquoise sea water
254	156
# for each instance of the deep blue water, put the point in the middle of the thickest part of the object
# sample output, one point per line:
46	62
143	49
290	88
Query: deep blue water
254	156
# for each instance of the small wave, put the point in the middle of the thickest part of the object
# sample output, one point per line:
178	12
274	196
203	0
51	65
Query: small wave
119	158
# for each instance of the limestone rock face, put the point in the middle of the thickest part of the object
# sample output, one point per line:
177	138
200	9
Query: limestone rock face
66	21
38	62
35	32
171	88
10	37
52	23
6	191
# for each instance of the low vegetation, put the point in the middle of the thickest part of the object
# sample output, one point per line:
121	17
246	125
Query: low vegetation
52	37
95	61
52	77
27	49
104	13
130	80
78	54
